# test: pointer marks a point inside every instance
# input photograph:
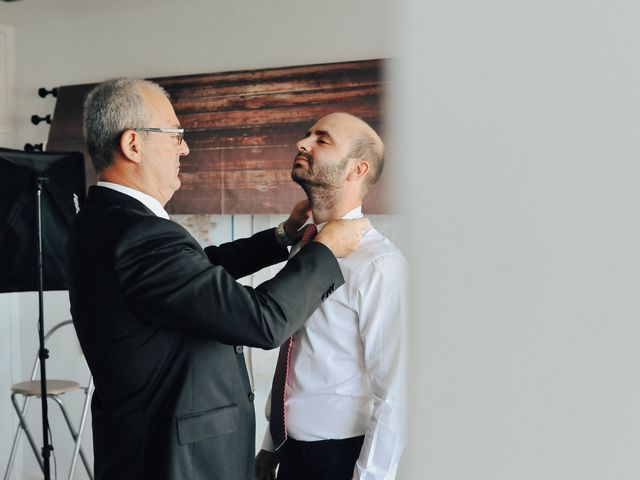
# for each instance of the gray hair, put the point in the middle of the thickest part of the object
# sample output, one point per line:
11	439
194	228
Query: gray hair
109	109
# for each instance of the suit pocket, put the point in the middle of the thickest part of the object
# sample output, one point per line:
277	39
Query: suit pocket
195	427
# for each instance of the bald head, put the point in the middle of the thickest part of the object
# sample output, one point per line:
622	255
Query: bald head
352	123
365	143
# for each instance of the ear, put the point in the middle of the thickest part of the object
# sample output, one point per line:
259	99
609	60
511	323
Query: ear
359	170
130	145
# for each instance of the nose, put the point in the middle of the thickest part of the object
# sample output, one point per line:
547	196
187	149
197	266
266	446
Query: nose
303	145
184	148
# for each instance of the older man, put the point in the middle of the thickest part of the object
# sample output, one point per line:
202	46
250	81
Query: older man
162	321
337	413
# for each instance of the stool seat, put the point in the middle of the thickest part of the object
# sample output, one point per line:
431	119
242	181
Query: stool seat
23	393
54	387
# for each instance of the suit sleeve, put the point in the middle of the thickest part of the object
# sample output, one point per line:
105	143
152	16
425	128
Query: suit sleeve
167	282
248	255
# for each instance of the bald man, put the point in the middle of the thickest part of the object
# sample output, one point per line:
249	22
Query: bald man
341	401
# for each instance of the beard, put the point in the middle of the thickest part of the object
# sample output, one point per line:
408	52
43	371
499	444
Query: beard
322	184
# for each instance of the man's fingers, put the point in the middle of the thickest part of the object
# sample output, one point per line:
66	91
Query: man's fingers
303	207
342	237
265	466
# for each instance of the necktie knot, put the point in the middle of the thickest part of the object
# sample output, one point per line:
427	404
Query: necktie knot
310	231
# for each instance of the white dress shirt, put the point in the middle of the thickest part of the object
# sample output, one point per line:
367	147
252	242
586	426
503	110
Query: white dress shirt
148	201
348	368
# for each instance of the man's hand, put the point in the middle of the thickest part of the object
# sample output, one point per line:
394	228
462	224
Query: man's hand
343	236
265	467
299	215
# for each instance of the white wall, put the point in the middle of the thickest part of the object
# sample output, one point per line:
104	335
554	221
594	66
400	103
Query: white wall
165	39
519	123
7	83
9	302
10	358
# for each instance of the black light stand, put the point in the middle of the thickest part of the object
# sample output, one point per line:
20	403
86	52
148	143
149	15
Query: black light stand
43	353
26	179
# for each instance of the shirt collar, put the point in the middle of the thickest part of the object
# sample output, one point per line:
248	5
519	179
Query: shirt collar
351	214
147	200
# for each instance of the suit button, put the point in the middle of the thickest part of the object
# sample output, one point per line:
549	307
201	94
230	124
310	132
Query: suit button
239	349
251	396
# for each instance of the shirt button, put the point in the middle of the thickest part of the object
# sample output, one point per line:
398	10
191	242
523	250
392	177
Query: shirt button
251	396
239	349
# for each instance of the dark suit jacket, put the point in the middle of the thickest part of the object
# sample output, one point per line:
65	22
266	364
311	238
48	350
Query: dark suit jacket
161	322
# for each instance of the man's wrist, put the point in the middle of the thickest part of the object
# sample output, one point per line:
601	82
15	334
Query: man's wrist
281	234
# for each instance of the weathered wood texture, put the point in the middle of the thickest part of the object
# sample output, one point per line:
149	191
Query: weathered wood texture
242	128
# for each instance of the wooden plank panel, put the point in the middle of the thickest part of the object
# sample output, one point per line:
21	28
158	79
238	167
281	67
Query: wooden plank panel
65	134
265	100
284	134
366	71
244	136
304	116
242	129
201	190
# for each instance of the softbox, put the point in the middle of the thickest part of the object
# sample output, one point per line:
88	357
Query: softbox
61	178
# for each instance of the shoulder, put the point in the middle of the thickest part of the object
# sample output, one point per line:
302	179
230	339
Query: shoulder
375	249
121	220
376	256
153	231
125	227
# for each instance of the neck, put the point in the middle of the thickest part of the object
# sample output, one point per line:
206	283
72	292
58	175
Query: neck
323	212
115	176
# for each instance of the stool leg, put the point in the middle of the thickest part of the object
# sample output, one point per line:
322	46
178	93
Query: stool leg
16	438
72	430
88	391
27	431
7	471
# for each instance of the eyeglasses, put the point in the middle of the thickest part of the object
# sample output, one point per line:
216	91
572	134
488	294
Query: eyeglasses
178	132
